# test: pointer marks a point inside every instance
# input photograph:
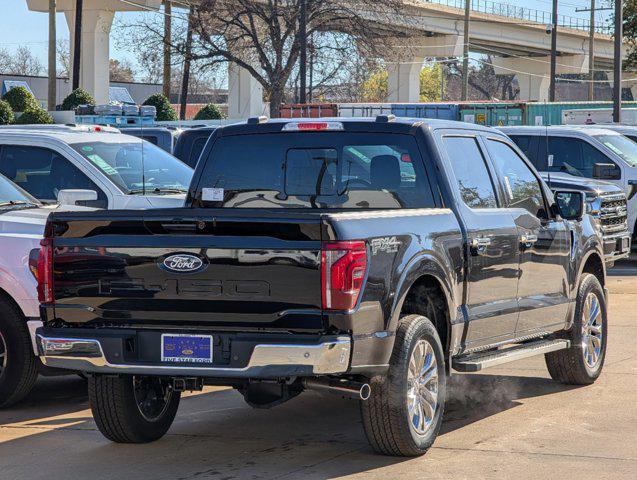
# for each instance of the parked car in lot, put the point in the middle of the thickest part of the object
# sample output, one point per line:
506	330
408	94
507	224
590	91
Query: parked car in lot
366	258
103	170
607	204
585	152
22	220
190	143
163	137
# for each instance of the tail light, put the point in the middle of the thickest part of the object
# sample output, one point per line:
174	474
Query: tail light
45	271
343	266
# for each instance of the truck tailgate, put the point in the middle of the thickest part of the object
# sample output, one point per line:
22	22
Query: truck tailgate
236	270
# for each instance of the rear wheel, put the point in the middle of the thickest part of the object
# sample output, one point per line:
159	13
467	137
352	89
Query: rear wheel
18	364
582	363
404	412
133	409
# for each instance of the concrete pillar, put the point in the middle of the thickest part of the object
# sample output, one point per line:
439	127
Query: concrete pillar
94	69
403	84
245	94
97	19
405	62
533	73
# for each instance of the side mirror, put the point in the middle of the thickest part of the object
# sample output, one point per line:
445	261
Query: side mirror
71	197
606	171
570	205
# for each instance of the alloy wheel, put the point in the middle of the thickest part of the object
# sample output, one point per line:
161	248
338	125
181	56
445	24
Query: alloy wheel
422	385
592	330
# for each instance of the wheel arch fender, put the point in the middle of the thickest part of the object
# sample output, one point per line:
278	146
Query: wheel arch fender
423	265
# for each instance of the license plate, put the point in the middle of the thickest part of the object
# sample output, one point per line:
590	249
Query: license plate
625	244
186	348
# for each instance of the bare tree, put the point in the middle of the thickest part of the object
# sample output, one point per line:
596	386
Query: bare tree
20	62
63	52
263	37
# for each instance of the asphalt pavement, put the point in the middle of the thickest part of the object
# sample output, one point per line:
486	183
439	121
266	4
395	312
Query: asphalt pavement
509	422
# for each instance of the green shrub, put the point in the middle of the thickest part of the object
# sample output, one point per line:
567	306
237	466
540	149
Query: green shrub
6	114
76	98
165	111
209	112
20	99
34	116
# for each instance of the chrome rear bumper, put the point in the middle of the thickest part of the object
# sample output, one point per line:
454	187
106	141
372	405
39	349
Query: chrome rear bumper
330	356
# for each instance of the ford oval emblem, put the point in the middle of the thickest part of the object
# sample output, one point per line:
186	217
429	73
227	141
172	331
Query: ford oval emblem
183	263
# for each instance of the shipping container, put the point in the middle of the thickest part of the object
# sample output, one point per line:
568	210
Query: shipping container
443	111
594	116
545	113
308	110
497	114
364	109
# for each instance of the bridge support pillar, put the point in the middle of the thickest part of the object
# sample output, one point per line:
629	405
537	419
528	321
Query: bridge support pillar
405	63
533	74
97	19
245	94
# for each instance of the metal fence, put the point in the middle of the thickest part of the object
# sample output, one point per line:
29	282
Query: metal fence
522	13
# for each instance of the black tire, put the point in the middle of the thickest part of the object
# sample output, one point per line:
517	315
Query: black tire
569	366
386	415
18	364
119	417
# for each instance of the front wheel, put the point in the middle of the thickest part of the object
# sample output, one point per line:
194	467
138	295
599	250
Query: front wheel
404	412
582	363
132	409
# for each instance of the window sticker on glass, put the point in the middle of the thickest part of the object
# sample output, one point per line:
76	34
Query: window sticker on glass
212	194
102	164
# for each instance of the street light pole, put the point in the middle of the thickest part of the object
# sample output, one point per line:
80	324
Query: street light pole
617	66
77	44
591	55
465	51
167	53
51	60
303	55
553	52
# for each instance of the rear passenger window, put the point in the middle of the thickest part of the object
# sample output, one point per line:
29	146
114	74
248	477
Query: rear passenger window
470	170
528	145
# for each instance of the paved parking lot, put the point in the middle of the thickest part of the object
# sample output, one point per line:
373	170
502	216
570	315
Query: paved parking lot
511	422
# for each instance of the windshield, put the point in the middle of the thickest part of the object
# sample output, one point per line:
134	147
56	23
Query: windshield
624	147
11	194
159	172
315	170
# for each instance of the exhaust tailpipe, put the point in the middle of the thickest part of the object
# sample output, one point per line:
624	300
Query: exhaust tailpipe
342	387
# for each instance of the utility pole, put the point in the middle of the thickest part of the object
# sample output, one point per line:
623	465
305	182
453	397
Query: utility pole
591	47
591	55
617	86
167	53
51	64
185	80
465	51
553	52
77	44
303	46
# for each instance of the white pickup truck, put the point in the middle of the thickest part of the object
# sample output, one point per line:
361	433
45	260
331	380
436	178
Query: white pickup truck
22	220
101	169
77	168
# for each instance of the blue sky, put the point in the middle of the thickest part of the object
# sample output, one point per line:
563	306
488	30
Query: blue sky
19	26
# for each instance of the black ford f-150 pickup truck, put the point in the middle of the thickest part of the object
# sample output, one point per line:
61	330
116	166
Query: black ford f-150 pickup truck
364	257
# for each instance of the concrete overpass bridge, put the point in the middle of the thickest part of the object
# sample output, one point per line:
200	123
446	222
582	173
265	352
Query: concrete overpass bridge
515	37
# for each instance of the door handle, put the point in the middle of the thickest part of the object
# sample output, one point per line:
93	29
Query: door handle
479	245
527	241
